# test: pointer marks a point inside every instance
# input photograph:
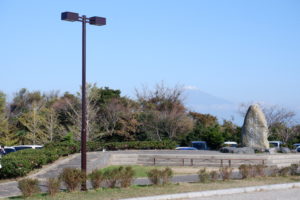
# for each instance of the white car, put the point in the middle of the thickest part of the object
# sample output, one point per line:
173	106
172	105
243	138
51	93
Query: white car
230	144
276	144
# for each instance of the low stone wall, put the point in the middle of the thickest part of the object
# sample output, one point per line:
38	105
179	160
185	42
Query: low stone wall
175	158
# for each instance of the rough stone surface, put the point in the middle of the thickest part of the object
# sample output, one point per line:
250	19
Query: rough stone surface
255	129
285	150
243	150
272	150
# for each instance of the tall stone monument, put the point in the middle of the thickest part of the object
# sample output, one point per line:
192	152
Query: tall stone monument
255	129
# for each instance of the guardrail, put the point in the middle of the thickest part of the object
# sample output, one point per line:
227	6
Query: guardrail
192	161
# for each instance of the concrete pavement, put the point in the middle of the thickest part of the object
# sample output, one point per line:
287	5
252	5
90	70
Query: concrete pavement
284	194
256	192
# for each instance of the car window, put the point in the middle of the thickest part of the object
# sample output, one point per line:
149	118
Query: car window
199	145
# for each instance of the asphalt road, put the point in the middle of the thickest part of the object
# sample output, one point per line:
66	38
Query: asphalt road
288	194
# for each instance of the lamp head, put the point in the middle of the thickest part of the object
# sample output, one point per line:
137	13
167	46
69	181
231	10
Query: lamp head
69	16
98	21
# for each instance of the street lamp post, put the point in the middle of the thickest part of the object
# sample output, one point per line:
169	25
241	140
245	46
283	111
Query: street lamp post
98	21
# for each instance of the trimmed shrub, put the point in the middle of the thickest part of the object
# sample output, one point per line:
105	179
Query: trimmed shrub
98	146
20	163
273	171
157	177
285	171
294	169
122	177
72	178
203	175
126	176
96	178
166	175
154	176
64	148
260	170
112	177
214	175
53	185
29	187
225	173
244	170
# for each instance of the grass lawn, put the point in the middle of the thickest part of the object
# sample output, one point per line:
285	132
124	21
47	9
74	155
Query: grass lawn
138	191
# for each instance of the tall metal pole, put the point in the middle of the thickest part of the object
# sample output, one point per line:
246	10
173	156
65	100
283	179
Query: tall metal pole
84	111
98	21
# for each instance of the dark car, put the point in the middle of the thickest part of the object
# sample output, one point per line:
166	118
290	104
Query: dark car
200	145
8	150
21	147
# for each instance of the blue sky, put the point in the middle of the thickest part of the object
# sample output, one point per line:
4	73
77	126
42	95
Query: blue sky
240	51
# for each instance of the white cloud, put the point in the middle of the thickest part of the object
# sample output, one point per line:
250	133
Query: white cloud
190	87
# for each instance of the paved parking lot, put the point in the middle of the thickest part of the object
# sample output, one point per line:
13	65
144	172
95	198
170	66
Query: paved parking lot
288	194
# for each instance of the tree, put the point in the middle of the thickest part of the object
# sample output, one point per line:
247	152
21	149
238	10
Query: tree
34	122
34	117
24	100
212	135
69	111
118	120
206	120
163	114
280	131
231	132
6	137
51	123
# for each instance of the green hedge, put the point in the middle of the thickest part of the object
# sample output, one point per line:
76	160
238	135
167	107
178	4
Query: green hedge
22	162
98	146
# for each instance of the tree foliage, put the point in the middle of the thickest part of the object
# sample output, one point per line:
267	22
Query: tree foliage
163	114
156	114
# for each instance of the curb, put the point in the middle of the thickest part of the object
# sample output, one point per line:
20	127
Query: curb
210	193
53	165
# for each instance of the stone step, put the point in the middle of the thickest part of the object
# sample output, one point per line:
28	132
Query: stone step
124	159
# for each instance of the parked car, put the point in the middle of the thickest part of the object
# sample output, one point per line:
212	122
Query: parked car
276	144
200	145
296	145
21	147
8	150
230	144
186	148
298	149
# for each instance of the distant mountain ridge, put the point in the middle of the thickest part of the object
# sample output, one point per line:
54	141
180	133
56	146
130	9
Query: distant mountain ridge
202	102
